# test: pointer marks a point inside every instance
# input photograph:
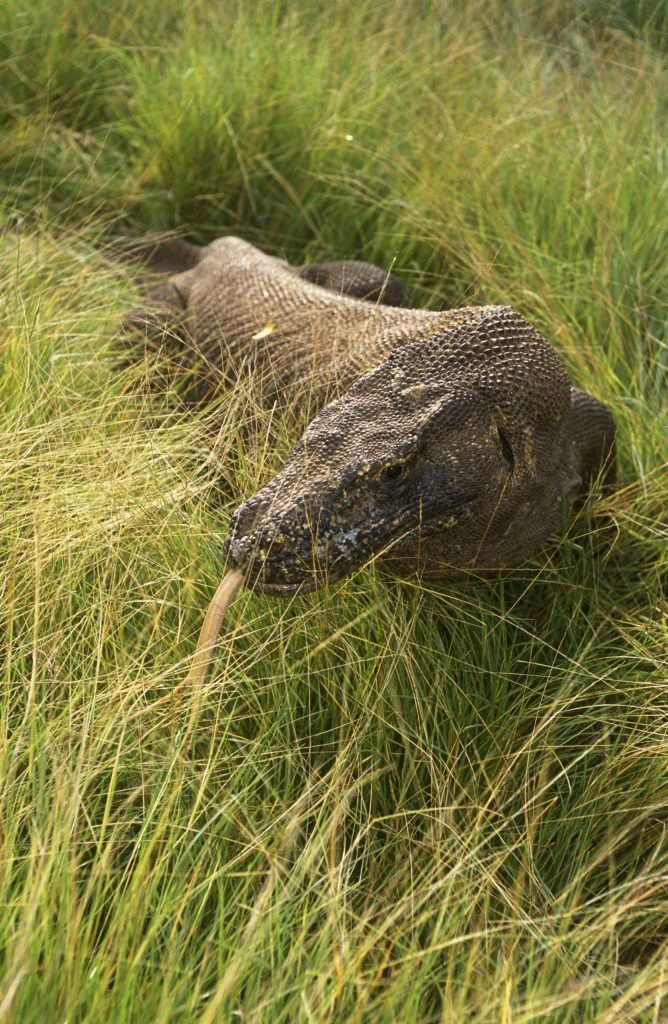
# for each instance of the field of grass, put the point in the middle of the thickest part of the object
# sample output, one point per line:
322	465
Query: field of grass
387	802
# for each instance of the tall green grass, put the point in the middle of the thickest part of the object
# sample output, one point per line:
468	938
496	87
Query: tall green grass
388	803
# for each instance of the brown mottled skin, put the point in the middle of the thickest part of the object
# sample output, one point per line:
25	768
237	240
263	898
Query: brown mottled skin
444	442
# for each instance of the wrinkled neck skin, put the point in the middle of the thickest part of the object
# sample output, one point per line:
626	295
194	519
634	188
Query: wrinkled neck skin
453	456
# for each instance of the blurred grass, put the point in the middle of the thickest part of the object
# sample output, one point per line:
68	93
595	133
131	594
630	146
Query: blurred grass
388	803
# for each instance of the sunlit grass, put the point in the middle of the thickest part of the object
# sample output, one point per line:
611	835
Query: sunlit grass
387	802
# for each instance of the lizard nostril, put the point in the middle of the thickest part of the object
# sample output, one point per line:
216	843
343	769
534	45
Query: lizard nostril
274	545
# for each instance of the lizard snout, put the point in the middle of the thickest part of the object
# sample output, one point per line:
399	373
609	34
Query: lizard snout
275	551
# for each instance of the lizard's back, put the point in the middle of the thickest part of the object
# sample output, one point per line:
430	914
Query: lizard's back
239	310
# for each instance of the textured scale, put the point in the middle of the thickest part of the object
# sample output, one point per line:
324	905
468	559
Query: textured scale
445	441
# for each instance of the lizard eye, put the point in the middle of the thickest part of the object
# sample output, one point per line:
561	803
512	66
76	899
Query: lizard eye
506	449
393	473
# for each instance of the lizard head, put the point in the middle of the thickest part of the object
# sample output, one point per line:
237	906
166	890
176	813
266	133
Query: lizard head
453	455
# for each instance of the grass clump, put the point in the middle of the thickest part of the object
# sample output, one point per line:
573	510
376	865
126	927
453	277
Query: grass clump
388	802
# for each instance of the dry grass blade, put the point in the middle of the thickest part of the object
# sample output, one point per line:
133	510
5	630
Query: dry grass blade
394	803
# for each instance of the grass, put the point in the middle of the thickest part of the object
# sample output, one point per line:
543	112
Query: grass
388	803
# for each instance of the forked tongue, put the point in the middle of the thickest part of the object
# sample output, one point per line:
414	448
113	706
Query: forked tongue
208	634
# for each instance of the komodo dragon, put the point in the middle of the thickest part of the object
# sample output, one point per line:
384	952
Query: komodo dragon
444	442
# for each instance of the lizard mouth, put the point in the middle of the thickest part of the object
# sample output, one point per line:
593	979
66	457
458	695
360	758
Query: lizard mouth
283	589
282	580
273	568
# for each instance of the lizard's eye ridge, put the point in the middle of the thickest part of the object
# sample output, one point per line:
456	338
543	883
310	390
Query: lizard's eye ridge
393	473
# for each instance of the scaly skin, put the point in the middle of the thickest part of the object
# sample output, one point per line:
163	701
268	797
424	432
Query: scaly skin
445	442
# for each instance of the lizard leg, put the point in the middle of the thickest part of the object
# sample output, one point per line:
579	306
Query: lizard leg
356	279
594	437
